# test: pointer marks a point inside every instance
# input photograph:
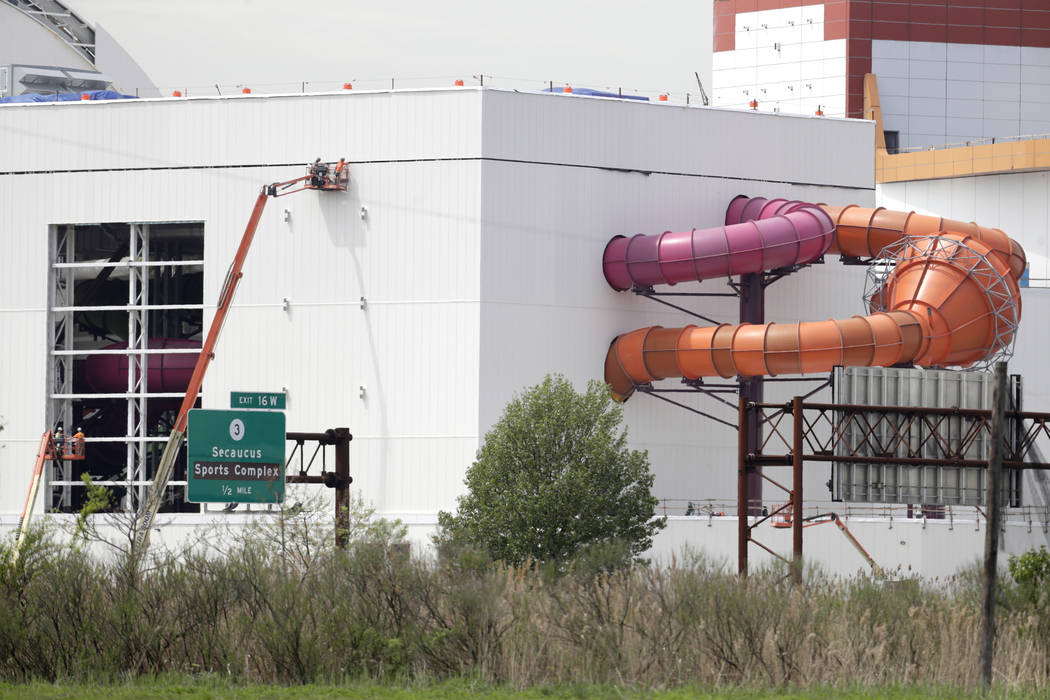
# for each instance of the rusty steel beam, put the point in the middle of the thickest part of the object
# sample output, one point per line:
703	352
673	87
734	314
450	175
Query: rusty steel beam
921	461
892	429
796	492
926	410
743	533
339	480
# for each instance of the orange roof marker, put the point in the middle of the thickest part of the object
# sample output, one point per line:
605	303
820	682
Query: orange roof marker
246	91
458	83
753	104
177	93
85	96
567	88
348	86
663	98
819	112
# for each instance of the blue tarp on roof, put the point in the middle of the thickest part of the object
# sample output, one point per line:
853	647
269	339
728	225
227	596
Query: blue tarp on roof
66	97
597	93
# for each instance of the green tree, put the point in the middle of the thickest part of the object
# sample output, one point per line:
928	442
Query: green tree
1031	571
553	478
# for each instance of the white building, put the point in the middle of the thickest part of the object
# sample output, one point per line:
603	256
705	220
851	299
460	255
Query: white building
463	264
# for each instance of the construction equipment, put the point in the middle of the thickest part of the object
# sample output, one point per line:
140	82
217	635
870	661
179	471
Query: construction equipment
51	448
784	517
322	176
703	93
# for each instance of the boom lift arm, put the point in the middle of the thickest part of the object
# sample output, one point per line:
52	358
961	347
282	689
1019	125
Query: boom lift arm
783	520
320	176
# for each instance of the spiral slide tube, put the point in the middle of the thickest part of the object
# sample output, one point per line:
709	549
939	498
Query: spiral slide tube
759	235
951	298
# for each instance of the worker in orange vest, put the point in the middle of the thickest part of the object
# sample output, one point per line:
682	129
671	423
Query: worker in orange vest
78	443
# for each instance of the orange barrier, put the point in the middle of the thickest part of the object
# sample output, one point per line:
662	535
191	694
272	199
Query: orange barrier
951	299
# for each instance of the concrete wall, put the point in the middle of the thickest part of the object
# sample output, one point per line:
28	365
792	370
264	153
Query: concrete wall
932	549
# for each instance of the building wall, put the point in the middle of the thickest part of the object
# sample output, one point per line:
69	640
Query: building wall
563	175
478	254
949	71
413	256
782	60
474	229
941	93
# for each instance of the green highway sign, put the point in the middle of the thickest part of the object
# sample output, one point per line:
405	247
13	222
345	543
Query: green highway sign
273	400
235	457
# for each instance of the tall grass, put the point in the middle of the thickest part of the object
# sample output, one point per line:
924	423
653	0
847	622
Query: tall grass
279	604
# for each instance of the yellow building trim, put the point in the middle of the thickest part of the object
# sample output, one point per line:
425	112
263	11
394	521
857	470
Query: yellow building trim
949	161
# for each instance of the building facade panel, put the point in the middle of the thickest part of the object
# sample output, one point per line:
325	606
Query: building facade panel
544	312
242	130
401	372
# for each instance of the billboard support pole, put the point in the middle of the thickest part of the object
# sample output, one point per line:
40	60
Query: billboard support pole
991	534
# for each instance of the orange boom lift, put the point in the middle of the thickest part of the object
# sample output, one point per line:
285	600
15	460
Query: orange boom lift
784	521
60	449
329	177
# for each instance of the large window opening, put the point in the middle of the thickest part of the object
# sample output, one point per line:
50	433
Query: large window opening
125	317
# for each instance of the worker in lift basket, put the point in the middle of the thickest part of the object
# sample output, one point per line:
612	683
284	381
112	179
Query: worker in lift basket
60	439
319	173
78	442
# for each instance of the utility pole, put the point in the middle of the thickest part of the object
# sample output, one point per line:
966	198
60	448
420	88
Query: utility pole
991	533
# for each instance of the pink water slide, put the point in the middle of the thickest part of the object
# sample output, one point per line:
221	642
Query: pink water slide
759	235
949	296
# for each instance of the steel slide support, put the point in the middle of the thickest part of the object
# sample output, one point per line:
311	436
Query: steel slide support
742	532
796	490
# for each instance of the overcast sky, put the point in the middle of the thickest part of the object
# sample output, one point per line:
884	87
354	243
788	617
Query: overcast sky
274	45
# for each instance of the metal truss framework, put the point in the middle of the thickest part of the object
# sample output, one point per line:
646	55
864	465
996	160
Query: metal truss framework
63	308
798	432
1002	305
60	19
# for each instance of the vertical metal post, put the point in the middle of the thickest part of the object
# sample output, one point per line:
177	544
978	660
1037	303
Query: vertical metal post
753	310
342	489
796	490
62	249
991	535
138	343
742	532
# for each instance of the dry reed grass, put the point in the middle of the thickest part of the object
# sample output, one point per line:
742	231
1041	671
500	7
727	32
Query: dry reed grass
301	612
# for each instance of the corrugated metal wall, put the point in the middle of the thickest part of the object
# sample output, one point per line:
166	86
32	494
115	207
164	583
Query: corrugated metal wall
567	174
888	386
478	255
413	256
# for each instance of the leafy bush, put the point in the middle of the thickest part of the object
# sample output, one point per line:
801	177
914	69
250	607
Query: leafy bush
1031	570
553	477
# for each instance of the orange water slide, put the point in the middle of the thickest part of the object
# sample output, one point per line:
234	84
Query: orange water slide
949	297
